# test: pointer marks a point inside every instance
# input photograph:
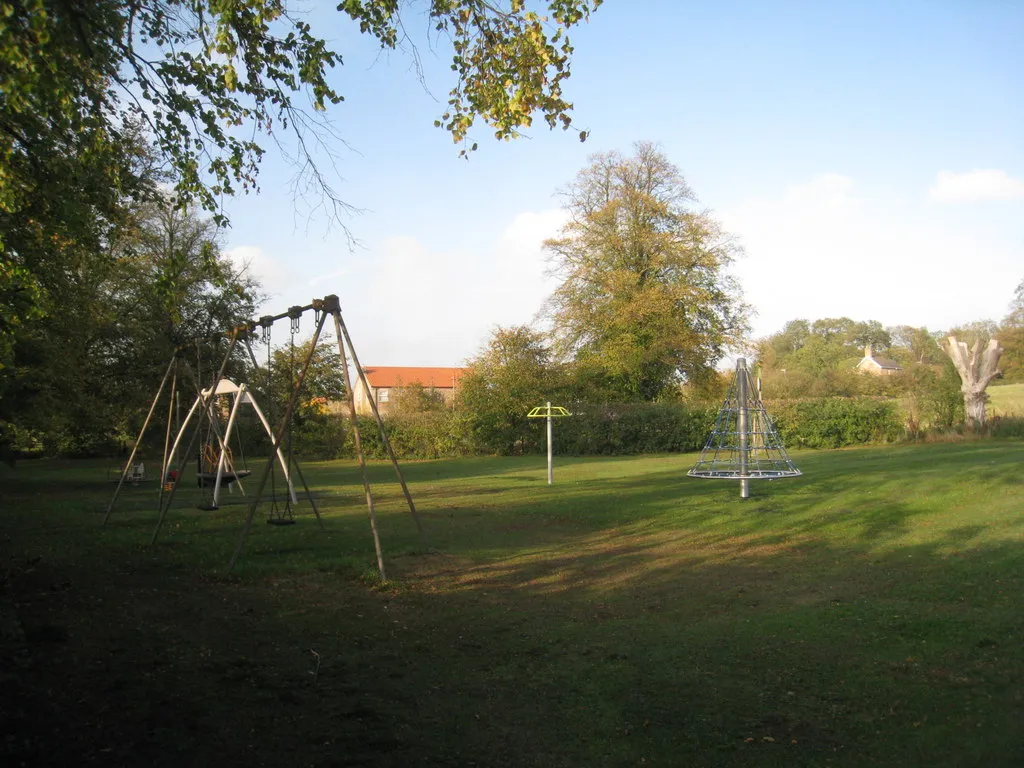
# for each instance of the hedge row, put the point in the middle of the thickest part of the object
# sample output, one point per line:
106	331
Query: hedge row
614	429
630	428
834	422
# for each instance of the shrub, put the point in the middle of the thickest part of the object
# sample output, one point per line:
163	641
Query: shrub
630	428
834	422
1005	426
423	435
931	398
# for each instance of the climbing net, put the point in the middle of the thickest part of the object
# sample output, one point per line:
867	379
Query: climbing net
744	443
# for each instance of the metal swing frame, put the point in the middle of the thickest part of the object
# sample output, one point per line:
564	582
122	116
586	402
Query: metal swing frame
224	473
322	308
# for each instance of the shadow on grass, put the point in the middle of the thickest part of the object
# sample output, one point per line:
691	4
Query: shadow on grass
868	613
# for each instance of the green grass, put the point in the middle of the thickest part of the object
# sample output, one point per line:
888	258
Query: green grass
1006	400
869	613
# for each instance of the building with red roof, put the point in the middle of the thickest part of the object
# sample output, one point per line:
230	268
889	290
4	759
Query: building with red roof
385	380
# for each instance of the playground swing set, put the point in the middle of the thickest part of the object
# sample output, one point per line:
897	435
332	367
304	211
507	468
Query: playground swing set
215	463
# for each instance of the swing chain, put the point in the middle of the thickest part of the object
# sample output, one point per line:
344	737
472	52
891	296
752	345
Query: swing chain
295	314
266	322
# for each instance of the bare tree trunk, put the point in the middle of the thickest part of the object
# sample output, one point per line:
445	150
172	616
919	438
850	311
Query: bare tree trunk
976	370
974	408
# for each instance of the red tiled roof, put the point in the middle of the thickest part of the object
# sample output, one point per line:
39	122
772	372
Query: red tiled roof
399	376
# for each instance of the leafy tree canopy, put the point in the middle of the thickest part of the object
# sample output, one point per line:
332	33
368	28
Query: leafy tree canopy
823	344
818	358
511	374
1015	316
85	86
87	369
1011	337
645	297
208	78
103	101
324	381
414	398
915	345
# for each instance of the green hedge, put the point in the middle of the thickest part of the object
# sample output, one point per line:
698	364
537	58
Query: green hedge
630	428
427	435
613	429
834	422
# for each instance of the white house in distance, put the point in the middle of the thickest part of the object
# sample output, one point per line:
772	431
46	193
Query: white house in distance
877	366
384	380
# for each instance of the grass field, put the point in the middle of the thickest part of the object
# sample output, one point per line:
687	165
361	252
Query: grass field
869	613
1006	400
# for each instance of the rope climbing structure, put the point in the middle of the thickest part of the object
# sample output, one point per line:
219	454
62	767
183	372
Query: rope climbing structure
744	445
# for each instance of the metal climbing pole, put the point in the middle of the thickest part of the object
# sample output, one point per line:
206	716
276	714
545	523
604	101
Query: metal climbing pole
744	444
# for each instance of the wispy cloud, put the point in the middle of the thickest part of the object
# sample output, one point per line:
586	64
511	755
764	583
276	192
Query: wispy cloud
272	273
975	186
823	249
318	279
438	307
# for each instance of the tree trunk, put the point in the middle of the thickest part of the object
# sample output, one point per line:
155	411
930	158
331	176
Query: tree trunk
976	370
974	408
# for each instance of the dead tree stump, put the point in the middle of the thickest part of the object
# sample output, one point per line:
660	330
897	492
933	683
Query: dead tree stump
976	368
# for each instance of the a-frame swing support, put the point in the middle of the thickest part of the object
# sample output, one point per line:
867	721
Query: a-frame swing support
142	432
329	305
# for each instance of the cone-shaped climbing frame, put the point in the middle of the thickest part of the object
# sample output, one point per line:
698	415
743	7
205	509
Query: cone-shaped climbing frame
744	445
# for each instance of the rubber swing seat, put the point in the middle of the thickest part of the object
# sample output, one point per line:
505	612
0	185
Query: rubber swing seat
209	479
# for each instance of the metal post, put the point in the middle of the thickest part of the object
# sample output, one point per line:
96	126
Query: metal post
275	445
551	471
350	393
741	372
331	305
138	440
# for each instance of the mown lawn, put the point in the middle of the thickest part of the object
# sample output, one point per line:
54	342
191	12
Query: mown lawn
869	613
1006	400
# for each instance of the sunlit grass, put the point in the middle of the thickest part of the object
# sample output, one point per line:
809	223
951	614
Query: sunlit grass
869	612
1006	400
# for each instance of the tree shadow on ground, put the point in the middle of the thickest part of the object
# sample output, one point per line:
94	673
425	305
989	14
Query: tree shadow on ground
825	621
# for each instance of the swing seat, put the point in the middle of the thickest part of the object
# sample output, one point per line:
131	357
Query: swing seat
280	521
209	479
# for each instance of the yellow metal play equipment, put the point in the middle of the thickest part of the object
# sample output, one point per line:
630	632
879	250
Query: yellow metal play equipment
549	412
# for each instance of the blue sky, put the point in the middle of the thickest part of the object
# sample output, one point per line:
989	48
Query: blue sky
868	156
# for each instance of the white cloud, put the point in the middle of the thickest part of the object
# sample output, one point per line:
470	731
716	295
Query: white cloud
323	278
272	273
522	266
831	191
438	307
975	186
820	250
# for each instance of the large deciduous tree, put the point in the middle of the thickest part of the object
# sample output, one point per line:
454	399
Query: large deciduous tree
914	345
644	297
101	99
87	368
511	374
313	429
